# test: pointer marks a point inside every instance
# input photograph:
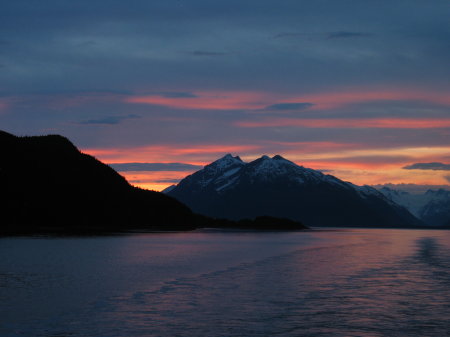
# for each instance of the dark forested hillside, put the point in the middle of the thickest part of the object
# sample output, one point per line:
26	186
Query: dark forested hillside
46	183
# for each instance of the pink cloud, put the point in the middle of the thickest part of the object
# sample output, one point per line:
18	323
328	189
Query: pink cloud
330	100
3	105
386	123
348	161
208	100
187	153
252	100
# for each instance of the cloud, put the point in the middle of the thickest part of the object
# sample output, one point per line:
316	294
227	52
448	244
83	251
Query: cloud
412	188
428	166
346	35
282	35
110	120
207	53
156	181
331	35
89	43
170	181
447	178
176	94
347	123
325	171
214	100
125	167
369	159
289	106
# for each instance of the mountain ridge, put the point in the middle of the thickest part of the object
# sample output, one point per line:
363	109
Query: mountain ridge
432	206
282	188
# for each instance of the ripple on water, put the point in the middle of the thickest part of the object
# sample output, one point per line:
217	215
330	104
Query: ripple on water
386	284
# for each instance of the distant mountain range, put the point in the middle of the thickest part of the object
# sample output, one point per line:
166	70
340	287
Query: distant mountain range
230	188
432	206
48	185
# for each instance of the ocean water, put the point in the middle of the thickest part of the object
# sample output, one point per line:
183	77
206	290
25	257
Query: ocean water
351	282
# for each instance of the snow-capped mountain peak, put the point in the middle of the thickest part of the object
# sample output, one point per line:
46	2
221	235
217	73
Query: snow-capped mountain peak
266	168
231	188
225	162
279	158
214	174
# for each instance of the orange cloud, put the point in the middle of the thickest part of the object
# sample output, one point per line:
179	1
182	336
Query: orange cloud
208	100
338	165
252	100
386	123
329	100
154	180
191	154
344	160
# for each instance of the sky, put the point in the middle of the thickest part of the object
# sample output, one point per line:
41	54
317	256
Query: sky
358	89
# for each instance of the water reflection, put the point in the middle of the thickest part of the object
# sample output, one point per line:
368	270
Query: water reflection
428	251
345	283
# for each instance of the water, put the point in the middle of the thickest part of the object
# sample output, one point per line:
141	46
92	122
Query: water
358	282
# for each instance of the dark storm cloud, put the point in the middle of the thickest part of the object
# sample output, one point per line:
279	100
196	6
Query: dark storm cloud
428	166
289	106
109	120
125	167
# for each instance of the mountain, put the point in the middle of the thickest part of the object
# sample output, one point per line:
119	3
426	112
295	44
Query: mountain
411	188
432	207
48	184
230	188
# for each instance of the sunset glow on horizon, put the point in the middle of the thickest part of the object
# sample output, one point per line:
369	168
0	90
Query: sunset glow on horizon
358	165
359	90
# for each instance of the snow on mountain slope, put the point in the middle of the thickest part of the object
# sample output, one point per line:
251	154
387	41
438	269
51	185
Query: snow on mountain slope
231	188
433	206
269	169
413	202
213	176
